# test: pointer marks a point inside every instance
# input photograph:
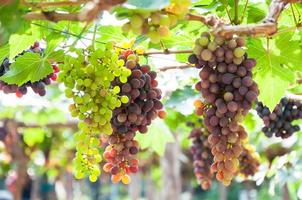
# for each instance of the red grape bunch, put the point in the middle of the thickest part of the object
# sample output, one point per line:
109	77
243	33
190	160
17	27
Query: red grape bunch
143	106
279	122
202	156
249	161
38	87
228	90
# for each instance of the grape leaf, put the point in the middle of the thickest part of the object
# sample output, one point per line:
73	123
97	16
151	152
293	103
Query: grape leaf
110	33
53	42
4	52
18	43
273	72
157	137
33	136
148	4
57	56
256	12
29	67
180	95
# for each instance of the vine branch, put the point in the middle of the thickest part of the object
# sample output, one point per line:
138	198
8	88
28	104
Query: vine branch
90	11
266	28
167	51
163	69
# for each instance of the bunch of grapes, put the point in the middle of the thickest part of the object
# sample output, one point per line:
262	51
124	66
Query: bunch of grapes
135	115
228	90
202	156
87	78
156	24
279	122
38	87
249	161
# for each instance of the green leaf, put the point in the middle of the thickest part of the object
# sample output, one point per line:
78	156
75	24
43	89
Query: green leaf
32	136
273	72
29	67
53	42
4	52
156	138
256	12
110	33
149	4
18	43
250	122
180	95
57	56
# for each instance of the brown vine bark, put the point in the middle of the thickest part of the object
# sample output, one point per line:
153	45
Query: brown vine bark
90	11
13	145
170	164
268	27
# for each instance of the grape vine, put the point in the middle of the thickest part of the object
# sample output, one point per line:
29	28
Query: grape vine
279	122
132	116
229	91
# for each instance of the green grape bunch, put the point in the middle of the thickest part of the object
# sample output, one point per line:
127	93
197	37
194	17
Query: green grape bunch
87	76
156	24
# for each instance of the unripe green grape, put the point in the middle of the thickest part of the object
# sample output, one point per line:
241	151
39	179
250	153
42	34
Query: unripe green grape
203	41
116	73
237	61
102	111
80	82
93	178
197	50
118	103
173	20
206	55
126	27
212	46
98	158
239	52
137	30
164	20
90	69
124	99
94	86
82	116
61	77
154	37
123	79
87	82
78	100
132	57
126	72
155	18
83	109
79	175
68	93
120	63
136	21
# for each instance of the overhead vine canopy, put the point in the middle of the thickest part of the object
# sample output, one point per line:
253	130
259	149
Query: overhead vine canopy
247	57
